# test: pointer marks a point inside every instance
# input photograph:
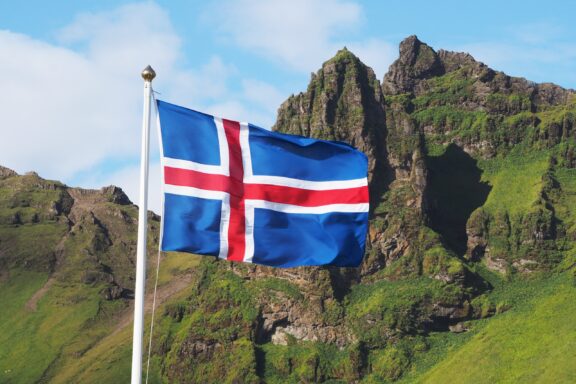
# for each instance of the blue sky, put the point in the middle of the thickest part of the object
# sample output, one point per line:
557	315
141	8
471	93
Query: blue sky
71	100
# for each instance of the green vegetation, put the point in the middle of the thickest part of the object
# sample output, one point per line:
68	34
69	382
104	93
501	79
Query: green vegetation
473	232
176	264
32	339
532	342
307	363
386	307
516	180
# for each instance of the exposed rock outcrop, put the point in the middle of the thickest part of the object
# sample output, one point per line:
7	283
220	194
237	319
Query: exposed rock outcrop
96	224
417	62
6	172
343	102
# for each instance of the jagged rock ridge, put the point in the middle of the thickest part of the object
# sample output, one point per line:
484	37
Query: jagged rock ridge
98	221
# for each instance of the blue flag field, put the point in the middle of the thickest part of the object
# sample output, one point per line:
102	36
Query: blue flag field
243	193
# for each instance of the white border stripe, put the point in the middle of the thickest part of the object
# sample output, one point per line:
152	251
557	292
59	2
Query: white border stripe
195	192
249	235
225	169
305	184
245	147
248	209
185	164
223	146
224	225
288	208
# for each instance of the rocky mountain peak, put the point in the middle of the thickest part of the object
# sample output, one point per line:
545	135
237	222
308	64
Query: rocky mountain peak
116	195
343	102
452	61
6	172
417	61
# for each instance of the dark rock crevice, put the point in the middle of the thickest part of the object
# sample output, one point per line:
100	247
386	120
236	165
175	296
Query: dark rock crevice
455	191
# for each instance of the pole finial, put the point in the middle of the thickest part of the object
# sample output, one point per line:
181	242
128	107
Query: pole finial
148	74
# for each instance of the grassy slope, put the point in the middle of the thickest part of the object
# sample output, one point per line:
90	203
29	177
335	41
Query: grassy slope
68	338
109	360
533	342
516	180
31	341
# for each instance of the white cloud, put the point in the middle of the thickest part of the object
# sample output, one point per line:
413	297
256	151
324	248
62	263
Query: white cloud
201	87
72	111
295	33
263	95
540	51
551	62
301	34
64	110
537	33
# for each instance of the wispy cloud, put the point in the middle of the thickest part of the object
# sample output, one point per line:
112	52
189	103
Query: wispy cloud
72	110
299	34
537	51
296	33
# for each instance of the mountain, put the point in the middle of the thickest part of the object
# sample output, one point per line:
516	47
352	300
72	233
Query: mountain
468	276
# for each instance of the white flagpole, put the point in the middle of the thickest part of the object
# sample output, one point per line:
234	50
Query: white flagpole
148	75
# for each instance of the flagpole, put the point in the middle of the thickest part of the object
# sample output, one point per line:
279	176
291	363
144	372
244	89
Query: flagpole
148	75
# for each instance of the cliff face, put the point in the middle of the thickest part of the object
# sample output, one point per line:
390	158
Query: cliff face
446	137
473	120
76	235
343	102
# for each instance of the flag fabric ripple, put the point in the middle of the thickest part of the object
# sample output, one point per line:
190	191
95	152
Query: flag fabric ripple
243	193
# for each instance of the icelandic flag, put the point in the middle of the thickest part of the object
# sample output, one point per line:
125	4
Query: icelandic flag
243	193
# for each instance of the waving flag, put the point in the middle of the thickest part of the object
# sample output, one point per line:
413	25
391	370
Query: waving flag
243	193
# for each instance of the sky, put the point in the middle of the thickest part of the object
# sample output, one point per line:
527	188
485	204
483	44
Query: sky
71	100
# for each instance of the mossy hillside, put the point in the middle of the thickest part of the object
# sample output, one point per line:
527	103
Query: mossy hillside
207	336
516	179
30	224
106	358
175	264
30	199
310	362
65	268
30	246
466	85
462	106
107	361
533	341
526	215
213	322
390	309
565	201
31	341
72	336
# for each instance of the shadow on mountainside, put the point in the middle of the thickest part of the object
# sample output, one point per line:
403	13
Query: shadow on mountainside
455	191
